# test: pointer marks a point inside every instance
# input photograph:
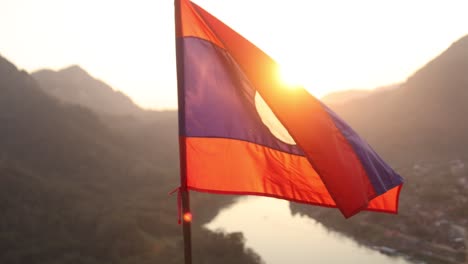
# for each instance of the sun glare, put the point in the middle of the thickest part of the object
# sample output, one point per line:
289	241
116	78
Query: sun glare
296	75
291	77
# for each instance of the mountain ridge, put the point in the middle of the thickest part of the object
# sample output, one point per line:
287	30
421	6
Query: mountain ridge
340	97
426	110
75	85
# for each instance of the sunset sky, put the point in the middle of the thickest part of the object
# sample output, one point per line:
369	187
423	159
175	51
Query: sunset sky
325	45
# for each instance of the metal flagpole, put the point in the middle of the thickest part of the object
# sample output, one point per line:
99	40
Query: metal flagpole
183	191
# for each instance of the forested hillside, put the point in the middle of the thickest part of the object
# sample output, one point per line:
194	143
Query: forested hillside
422	129
76	189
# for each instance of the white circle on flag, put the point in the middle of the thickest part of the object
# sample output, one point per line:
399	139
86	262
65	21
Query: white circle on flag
271	121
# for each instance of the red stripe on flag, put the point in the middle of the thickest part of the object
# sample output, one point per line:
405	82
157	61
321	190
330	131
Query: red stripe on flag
235	166
192	25
214	165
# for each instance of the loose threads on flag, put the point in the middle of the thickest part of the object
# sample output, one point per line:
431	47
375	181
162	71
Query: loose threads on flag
179	205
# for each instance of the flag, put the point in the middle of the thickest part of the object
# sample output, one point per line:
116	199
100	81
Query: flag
243	131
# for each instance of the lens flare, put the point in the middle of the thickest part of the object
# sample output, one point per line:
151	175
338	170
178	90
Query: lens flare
187	217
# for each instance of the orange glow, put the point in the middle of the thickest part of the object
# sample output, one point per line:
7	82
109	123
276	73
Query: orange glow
291	77
188	217
295	73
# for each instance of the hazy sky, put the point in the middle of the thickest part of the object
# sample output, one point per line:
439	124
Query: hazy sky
326	45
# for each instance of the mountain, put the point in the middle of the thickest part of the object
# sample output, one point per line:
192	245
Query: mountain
75	190
75	86
422	130
145	130
423	118
341	97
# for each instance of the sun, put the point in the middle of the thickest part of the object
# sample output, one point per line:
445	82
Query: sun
290	77
299	76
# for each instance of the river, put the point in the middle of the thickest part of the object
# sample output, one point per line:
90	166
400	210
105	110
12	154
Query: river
279	237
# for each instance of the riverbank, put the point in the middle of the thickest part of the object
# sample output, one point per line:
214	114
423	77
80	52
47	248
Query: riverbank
279	237
431	225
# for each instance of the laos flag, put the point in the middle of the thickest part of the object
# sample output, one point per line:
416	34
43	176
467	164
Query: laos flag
244	131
